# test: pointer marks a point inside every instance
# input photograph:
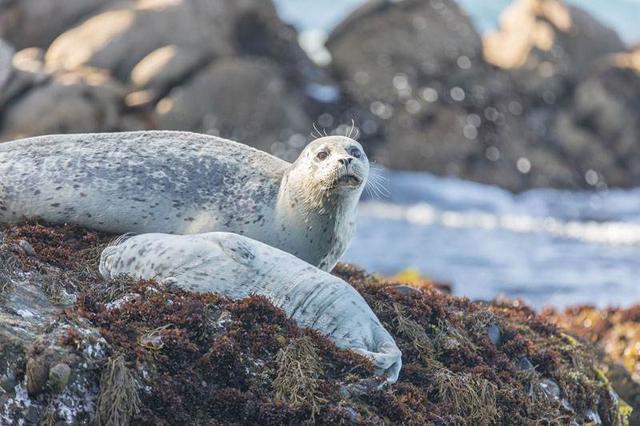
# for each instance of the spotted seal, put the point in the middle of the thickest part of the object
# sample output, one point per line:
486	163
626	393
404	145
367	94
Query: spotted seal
237	267
187	183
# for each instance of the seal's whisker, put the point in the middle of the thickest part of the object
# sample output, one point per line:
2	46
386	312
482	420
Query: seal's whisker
353	127
377	182
315	128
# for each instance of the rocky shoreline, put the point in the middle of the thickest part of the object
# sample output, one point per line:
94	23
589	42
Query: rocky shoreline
74	349
549	100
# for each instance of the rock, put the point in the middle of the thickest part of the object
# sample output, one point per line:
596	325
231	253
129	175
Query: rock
33	336
383	48
494	333
549	43
35	23
550	388
6	54
406	290
441	108
120	38
165	68
509	117
26	247
19	72
264	109
228	358
83	101
524	364
59	376
605	115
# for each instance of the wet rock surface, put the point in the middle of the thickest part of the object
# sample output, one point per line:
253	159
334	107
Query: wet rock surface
76	349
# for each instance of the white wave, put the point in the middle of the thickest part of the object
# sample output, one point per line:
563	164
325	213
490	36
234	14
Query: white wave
612	233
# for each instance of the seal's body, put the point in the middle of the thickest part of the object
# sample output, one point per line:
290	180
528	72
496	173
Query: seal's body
186	183
236	266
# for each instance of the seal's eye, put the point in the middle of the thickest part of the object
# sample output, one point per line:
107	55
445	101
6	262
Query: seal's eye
322	155
355	152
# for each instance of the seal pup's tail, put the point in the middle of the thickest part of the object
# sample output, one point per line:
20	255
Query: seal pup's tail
388	358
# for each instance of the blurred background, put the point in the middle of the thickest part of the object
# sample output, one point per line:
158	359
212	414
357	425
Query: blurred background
506	135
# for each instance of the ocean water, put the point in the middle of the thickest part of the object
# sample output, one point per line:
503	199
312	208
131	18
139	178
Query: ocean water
547	247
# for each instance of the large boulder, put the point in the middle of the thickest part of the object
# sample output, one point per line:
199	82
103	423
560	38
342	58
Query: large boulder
19	72
418	66
500	112
74	102
601	129
245	99
36	23
384	49
166	68
120	38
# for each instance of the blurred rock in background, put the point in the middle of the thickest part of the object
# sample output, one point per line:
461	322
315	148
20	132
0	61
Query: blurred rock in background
550	99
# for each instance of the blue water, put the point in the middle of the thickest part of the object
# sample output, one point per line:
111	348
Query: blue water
622	15
547	247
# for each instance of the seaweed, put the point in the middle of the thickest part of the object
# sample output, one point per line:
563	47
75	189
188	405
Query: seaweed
182	357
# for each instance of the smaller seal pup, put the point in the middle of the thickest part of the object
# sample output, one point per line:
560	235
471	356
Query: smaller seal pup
187	183
236	267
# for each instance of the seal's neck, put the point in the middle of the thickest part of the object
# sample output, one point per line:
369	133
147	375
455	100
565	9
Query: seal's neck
301	199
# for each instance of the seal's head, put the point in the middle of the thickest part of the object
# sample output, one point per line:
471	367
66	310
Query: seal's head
334	166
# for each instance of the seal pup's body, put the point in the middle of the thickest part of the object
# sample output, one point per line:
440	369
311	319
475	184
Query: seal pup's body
186	183
236	267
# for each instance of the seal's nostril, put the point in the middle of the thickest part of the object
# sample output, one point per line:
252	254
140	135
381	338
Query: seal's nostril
345	161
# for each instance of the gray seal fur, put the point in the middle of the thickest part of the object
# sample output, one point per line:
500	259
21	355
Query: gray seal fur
187	183
236	266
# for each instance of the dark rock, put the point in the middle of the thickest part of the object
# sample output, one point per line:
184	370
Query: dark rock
83	101
36	23
442	106
264	110
602	128
26	247
494	333
550	388
406	290
120	38
166	68
59	376
524	364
